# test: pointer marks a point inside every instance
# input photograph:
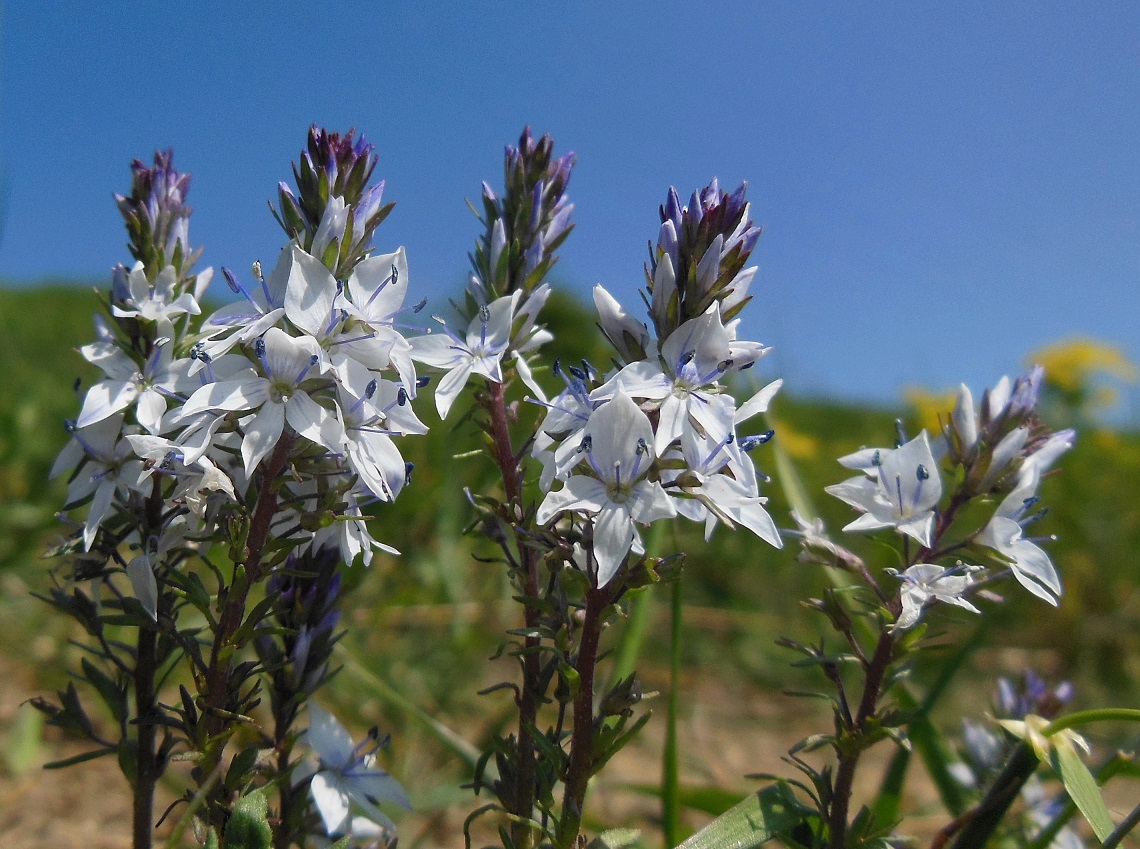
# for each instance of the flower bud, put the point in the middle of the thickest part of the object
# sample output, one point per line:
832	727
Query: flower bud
528	222
334	211
157	217
700	256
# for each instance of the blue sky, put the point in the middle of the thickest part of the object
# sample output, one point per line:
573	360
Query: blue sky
942	186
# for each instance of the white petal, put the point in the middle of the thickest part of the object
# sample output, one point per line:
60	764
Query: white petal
104	399
331	801
314	422
310	293
261	435
242	394
613	536
758	403
578	493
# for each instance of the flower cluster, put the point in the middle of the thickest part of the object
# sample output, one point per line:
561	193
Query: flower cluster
659	437
303	355
268	428
1001	451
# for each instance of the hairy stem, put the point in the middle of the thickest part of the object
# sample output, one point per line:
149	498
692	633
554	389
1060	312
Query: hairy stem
530	695
233	601
582	737
876	672
146	708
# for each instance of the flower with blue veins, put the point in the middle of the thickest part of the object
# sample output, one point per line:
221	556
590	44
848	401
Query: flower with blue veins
348	776
617	446
901	489
277	396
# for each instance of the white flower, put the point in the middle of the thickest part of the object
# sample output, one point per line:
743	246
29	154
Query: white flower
105	463
1003	533
903	493
277	396
124	384
348	775
733	499
154	302
923	583
617	444
684	380
481	352
261	308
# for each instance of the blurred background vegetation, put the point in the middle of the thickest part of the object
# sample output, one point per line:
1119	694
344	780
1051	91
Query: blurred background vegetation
422	626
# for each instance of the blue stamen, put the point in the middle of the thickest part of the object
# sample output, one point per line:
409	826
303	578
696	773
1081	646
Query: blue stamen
923	476
259	352
747	443
391	278
313	360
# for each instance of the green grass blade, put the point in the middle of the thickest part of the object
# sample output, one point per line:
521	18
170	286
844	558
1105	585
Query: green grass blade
1082	789
452	740
633	637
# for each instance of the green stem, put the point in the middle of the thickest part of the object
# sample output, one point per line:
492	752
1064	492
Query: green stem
849	755
146	708
670	784
979	824
233	601
1086	717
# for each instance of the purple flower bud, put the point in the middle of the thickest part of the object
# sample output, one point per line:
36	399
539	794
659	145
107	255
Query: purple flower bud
333	169
157	216
707	242
532	213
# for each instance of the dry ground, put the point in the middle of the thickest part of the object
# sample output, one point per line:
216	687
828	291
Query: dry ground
727	733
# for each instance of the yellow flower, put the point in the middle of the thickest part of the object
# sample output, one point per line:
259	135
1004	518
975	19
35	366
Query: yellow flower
930	409
1071	364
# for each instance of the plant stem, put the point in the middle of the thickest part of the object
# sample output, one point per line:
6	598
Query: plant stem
582	737
146	766
981	822
849	755
670	789
146	662
522	805
233	601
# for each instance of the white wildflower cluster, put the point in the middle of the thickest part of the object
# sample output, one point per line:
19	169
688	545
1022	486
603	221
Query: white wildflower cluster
306	371
659	436
1003	453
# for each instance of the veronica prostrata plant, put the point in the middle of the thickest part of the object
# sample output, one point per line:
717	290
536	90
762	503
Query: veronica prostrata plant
222	468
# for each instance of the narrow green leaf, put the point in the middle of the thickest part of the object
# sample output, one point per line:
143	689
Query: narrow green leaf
755	821
615	838
78	759
1082	789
